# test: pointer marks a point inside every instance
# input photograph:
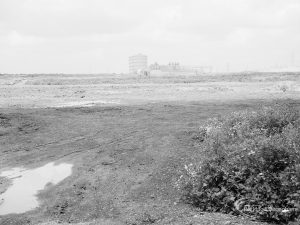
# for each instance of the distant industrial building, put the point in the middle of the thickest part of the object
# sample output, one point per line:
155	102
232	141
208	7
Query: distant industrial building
176	67
137	63
172	66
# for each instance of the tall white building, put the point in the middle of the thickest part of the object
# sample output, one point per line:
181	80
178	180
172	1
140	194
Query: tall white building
137	63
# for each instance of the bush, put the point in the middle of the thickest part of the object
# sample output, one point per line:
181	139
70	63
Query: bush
251	165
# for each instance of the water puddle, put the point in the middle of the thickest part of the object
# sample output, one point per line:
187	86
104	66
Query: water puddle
21	195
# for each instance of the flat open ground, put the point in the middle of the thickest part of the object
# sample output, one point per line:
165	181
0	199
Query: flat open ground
91	90
127	137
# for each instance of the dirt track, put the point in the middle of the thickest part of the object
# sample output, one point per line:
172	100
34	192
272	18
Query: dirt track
126	158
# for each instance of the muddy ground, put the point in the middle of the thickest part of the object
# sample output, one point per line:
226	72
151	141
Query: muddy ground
127	157
126	161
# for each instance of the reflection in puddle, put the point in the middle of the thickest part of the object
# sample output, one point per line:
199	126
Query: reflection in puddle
21	195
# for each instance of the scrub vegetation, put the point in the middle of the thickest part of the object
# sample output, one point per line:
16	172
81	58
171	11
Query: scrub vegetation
128	139
251	166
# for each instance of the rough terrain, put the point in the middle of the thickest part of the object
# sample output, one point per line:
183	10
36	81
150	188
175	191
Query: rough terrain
127	156
59	90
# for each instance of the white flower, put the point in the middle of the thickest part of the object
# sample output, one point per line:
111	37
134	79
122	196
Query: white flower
251	152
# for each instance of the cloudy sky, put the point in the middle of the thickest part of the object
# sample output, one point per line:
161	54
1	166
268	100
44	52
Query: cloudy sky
91	36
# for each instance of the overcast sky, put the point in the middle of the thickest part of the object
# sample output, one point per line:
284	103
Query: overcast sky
91	36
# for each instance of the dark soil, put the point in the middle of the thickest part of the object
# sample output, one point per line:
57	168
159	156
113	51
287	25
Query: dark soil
126	161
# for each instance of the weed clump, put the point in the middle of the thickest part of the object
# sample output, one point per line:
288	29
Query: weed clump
251	165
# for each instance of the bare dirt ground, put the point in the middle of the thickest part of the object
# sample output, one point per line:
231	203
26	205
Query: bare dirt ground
128	147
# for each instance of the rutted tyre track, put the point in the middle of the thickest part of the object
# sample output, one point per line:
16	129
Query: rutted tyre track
74	140
129	170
